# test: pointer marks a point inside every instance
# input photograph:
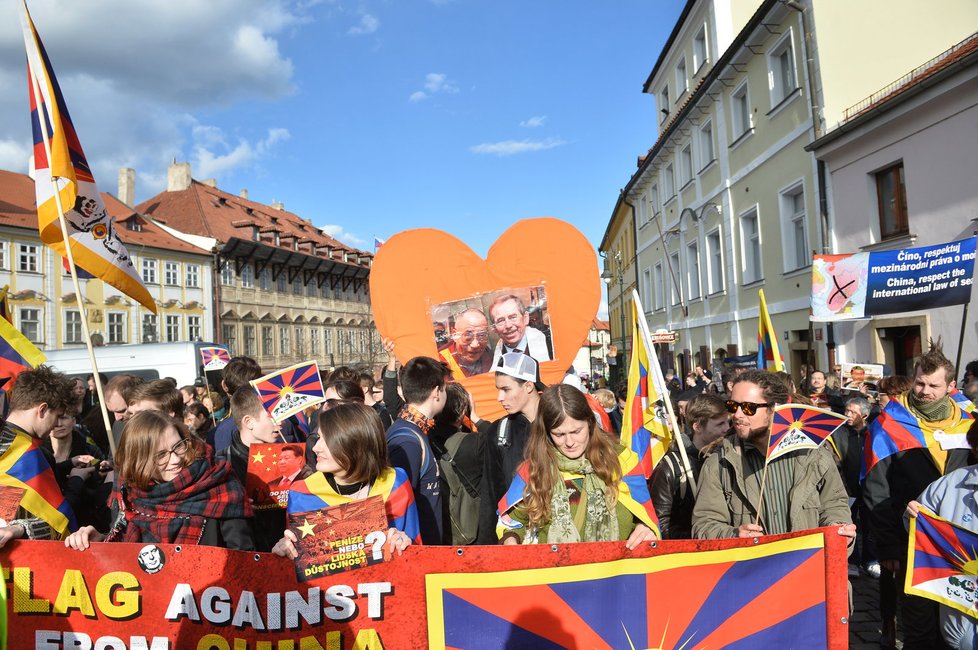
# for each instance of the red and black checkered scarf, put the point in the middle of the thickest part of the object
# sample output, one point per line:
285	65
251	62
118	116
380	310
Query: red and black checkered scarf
175	512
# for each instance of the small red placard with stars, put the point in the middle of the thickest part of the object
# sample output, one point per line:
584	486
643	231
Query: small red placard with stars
271	470
341	538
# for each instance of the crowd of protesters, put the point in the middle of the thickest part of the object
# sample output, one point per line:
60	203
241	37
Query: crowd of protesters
551	469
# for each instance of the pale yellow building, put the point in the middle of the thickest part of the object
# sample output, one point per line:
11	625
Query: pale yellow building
727	201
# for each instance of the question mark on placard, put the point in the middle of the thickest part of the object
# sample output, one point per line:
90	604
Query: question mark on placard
377	538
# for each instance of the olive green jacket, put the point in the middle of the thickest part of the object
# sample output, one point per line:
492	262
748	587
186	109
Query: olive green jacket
724	501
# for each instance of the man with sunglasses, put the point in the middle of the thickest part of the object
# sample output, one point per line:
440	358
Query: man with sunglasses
471	338
803	489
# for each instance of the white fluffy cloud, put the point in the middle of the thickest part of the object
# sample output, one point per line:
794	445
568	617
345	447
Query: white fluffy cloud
337	233
135	74
368	25
534	122
513	147
434	83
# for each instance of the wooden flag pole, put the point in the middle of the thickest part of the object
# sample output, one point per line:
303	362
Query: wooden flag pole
760	498
43	118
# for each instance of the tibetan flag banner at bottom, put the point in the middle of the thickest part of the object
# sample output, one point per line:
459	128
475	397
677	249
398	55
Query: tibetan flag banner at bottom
782	591
942	563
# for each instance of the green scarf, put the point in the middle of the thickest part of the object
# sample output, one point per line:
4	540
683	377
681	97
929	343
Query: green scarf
935	411
594	520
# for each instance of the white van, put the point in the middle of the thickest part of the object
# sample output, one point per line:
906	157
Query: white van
147	360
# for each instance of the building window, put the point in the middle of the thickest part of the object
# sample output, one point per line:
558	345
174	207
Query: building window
668	182
73	326
891	193
297	284
267	341
740	105
171	273
249	340
248	275
30	324
707	155
283	340
750	234
227	273
282	282
172	328
676	289
117	327
149	328
699	49
715	252
781	74
647	298
311	288
150	271
660	287
794	227
3	255
654	200
314	341
664	104
193	276
328	340
265	279
229	336
27	258
686	164
193	328
693	271
300	340
682	81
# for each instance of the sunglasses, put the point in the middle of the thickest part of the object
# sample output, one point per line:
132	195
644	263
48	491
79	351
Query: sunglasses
749	408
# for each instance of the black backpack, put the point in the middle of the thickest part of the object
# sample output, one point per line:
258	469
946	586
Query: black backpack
460	451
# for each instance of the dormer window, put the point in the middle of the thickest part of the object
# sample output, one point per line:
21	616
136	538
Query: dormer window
134	224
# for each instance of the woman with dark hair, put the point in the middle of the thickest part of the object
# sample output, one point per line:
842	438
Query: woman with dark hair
169	490
576	484
351	459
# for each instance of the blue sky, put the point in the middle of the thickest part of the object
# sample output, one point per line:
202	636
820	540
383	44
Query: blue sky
367	117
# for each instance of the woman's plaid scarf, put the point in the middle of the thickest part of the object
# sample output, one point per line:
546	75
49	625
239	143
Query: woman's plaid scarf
175	512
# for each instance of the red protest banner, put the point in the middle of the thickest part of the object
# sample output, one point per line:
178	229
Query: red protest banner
782	591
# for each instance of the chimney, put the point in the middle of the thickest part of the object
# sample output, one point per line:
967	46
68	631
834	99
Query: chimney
243	194
127	185
178	177
210	182
278	205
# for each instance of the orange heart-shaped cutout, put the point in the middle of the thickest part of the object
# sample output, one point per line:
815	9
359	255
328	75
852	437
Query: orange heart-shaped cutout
418	269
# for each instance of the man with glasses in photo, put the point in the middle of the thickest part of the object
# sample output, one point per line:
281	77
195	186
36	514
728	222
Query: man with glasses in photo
803	488
471	338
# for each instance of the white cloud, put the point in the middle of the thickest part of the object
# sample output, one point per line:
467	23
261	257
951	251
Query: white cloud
337	233
512	147
134	75
534	122
434	83
603	309
368	25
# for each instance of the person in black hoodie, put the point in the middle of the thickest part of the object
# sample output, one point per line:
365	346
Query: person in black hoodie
255	426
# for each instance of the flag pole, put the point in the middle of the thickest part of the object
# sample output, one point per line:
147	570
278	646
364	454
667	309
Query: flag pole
760	498
660	381
44	118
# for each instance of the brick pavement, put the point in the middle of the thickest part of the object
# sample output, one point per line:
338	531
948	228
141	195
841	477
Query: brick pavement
864	625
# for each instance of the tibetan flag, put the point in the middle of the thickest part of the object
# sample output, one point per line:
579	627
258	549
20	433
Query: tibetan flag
79	271
25	466
799	426
644	426
393	486
214	358
942	563
897	429
768	356
633	493
59	158
17	354
290	390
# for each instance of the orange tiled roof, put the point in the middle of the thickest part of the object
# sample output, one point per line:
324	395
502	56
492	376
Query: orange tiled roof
18	208
209	211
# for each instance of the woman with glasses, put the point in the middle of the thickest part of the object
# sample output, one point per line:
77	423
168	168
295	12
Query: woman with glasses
169	490
577	484
802	490
351	459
